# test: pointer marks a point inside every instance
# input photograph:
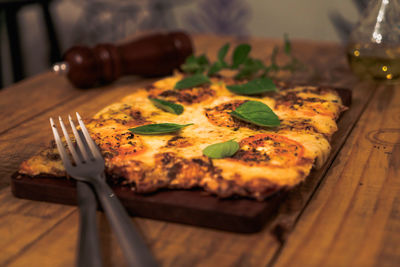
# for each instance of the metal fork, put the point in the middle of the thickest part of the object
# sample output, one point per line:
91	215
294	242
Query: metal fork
90	168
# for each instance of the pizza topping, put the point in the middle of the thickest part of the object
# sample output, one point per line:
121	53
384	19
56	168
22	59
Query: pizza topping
52	155
192	81
124	171
257	113
269	149
137	118
307	104
298	124
185	96
113	144
158	128
254	87
182	172
167	106
221	150
242	113
220	115
126	115
179	141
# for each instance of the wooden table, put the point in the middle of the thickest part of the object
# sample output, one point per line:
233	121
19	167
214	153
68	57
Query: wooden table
351	219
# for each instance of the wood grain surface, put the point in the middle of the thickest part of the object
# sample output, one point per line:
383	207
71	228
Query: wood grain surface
350	219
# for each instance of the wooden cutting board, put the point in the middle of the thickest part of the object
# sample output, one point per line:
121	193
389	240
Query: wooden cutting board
194	207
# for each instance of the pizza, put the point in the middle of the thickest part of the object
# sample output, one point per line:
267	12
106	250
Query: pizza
267	160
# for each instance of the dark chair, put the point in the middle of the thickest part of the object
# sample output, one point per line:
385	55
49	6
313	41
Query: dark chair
9	10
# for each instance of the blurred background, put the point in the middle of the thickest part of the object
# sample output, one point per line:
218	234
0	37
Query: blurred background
40	31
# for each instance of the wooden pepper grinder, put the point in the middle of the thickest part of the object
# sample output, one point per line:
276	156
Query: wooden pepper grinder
153	55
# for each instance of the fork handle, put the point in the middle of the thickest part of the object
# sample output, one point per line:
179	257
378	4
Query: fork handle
133	246
88	244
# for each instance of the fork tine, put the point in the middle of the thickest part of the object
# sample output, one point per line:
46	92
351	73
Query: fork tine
60	146
93	147
70	145
79	140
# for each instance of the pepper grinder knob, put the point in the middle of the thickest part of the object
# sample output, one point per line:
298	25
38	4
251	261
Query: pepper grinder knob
61	68
150	56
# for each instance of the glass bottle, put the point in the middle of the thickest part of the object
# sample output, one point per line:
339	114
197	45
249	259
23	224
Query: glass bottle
373	48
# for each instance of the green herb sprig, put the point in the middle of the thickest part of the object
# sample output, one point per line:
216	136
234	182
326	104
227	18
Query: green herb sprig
246	66
220	63
239	55
195	64
167	106
192	81
221	150
241	61
254	87
158	128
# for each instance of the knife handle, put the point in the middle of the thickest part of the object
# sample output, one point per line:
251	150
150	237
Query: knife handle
153	55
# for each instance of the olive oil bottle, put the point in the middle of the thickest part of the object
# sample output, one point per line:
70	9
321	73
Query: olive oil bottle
373	48
369	64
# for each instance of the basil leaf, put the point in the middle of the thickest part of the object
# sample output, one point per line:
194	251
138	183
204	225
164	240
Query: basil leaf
221	150
240	54
190	65
217	66
250	68
202	60
222	52
254	87
191	81
167	106
287	45
158	128
257	113
195	64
